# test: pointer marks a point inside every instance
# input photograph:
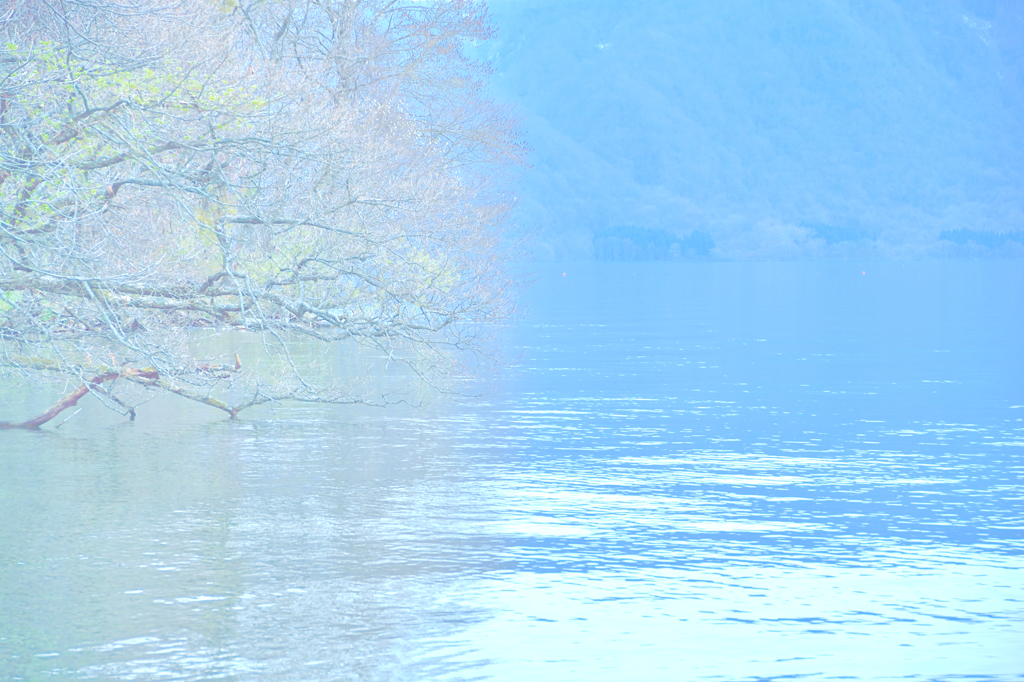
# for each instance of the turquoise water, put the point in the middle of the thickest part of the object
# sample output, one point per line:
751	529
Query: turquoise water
698	471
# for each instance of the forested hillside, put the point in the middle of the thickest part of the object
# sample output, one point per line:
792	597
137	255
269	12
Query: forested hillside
780	129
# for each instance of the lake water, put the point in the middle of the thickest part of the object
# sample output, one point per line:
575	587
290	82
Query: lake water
699	471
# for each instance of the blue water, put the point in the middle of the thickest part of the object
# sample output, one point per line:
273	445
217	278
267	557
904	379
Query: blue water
698	471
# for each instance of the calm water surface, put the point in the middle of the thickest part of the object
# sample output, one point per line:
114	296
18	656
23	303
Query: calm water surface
700	471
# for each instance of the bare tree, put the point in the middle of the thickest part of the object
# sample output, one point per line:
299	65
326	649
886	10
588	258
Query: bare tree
206	197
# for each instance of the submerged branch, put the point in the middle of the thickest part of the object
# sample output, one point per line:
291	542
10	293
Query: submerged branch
64	403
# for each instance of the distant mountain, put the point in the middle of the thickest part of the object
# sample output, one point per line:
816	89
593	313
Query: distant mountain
779	128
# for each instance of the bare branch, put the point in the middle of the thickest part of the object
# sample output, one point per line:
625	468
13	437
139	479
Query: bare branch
298	185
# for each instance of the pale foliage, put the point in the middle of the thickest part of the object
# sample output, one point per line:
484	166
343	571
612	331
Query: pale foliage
275	170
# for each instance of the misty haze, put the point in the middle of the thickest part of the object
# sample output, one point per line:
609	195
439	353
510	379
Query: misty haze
550	340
